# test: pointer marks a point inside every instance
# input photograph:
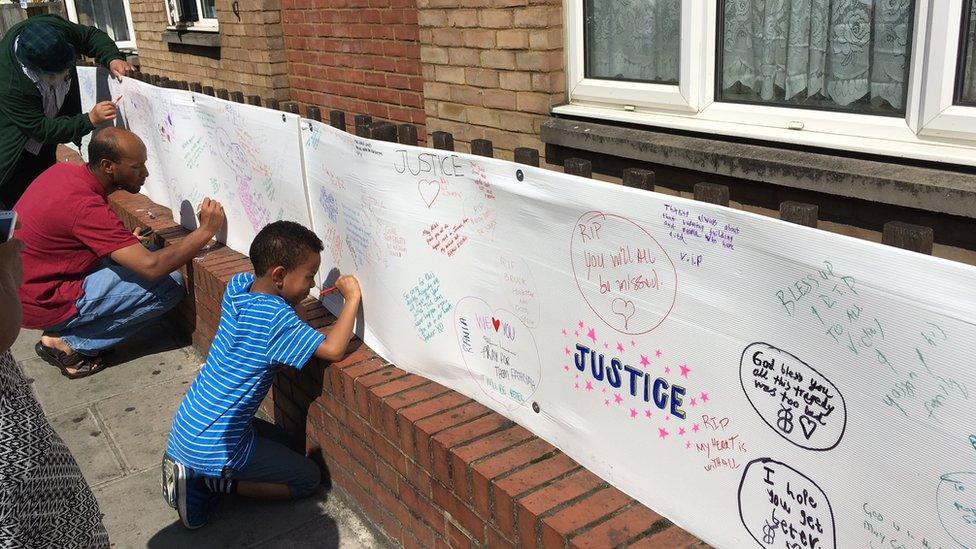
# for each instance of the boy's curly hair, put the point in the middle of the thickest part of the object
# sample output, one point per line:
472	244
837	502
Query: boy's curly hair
282	243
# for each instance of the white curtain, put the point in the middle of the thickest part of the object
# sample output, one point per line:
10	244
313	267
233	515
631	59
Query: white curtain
633	39
842	50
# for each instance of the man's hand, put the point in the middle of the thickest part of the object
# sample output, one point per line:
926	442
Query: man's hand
102	112
348	286
118	67
211	215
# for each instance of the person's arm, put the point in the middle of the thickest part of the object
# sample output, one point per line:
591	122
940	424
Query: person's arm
9	301
27	114
155	265
333	349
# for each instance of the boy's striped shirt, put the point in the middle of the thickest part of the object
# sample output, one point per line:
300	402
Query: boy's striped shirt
257	332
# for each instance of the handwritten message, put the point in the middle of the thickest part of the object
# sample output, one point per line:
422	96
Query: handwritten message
794	399
358	238
445	238
685	226
624	275
520	289
883	532
499	351
723	447
427	306
328	202
192	151
957	507
782	508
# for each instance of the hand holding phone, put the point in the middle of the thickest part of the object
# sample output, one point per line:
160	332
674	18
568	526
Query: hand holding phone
8	222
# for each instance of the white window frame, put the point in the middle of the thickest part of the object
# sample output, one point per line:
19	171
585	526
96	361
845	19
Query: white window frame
932	129
205	24
130	44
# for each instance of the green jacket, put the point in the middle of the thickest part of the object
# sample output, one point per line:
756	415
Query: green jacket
21	106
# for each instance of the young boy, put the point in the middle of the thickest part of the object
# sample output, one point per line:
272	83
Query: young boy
212	445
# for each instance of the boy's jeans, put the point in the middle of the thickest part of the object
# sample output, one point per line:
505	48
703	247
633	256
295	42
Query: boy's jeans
116	304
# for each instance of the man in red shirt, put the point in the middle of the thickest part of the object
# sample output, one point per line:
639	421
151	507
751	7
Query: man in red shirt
88	282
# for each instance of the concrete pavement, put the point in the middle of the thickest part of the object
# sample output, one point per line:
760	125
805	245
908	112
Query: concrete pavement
116	424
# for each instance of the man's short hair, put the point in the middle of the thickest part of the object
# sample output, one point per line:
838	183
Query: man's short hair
104	145
284	244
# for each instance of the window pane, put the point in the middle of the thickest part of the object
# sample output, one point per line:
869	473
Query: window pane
105	15
844	55
209	10
967	55
633	40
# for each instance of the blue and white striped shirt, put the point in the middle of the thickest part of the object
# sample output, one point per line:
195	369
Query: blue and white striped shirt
257	332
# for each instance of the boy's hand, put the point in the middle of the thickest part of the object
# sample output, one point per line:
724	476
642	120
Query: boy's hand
348	286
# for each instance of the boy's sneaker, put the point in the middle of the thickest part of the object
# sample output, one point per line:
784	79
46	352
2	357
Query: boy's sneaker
184	490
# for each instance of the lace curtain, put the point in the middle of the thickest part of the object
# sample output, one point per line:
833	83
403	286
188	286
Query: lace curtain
633	39
835	51
968	76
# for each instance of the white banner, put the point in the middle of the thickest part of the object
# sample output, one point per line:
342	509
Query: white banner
759	383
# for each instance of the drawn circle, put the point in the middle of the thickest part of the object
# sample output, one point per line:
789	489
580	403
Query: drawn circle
956	502
777	415
488	352
755	502
616	308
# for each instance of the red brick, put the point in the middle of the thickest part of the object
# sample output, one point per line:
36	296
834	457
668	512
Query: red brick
619	529
387	475
386	451
458	539
671	537
482	472
419	478
380	392
393	404
443	441
363	384
359	452
459	511
495	540
427	427
424	508
463	456
505	490
556	528
410	415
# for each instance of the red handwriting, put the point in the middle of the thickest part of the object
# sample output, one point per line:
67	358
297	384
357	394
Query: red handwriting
446	238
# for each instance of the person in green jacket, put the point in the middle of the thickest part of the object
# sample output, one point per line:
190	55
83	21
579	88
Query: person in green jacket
41	100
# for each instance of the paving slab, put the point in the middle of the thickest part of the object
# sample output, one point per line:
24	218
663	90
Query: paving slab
23	348
148	359
135	516
138	421
90	445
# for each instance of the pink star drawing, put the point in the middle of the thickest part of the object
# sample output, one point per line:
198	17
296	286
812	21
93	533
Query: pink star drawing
589	385
693	402
633	343
592	335
645	361
576	385
604	390
580	324
566	368
606	402
688	444
704	396
620	346
647	413
633	412
606	345
662	432
695	428
576	333
667	369
681	431
564	331
617	398
667	418
568	352
577	376
685	370
657	353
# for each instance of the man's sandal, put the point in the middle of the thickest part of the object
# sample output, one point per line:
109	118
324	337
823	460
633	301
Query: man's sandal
84	366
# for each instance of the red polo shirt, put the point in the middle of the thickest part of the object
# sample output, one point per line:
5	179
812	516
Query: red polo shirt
67	228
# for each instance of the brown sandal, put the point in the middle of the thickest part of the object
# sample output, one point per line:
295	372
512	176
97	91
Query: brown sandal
84	366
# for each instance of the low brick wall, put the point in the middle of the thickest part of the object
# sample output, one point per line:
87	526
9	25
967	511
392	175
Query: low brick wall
429	466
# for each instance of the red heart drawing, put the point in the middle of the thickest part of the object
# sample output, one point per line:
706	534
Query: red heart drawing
496	323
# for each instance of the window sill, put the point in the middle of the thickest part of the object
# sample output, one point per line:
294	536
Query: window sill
925	188
199	38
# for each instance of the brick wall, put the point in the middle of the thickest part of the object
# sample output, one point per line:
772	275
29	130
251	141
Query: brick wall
251	55
358	56
492	69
